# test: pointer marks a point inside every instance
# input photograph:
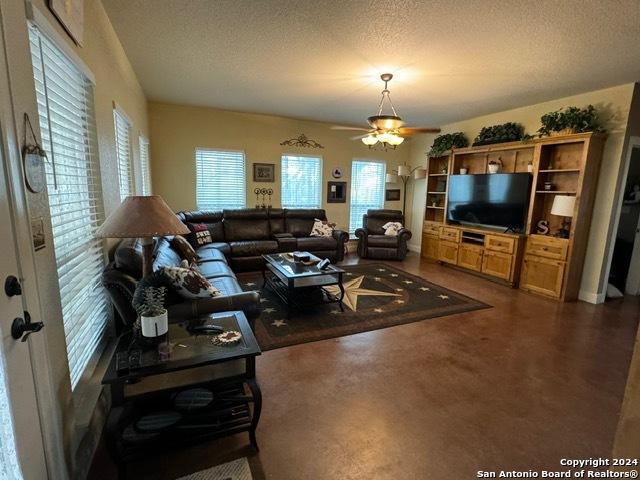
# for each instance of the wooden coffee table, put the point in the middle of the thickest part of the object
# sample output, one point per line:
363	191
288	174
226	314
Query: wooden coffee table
301	285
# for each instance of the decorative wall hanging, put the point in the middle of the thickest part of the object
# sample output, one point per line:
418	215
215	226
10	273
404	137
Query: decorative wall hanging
37	233
337	172
264	192
70	14
264	172
301	141
392	195
336	192
33	157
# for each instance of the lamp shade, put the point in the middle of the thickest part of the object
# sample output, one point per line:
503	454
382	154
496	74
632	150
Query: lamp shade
392	178
142	217
563	205
420	172
404	170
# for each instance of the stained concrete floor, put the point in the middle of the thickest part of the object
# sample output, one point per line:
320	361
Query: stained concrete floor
517	386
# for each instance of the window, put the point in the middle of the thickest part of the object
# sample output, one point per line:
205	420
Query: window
67	123
367	190
301	181
123	152
145	165
220	179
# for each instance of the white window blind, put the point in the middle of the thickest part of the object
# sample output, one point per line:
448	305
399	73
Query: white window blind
220	179
123	152
367	190
145	165
301	181
67	123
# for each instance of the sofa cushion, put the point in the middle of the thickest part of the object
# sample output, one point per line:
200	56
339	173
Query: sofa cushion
276	221
316	243
322	228
212	219
214	251
184	249
211	270
382	241
246	224
376	219
299	222
253	248
226	285
128	257
189	283
164	255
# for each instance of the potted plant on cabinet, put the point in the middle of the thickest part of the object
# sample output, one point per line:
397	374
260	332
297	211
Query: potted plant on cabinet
494	166
507	132
445	142
570	120
153	315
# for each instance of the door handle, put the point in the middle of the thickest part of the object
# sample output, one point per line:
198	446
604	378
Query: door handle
21	328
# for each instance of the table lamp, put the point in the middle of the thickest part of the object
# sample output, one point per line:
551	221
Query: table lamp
563	207
142	217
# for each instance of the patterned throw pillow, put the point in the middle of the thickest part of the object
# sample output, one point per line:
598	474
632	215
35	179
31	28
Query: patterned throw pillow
200	234
190	283
392	228
322	228
184	249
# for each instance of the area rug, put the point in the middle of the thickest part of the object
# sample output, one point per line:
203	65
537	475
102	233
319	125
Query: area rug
235	470
377	296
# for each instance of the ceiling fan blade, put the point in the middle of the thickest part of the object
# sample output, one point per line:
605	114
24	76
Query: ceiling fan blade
358	137
414	130
342	127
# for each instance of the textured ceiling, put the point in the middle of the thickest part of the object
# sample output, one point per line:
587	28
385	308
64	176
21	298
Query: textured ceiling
320	60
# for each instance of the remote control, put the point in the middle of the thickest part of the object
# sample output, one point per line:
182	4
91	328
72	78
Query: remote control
135	359
324	264
122	363
206	329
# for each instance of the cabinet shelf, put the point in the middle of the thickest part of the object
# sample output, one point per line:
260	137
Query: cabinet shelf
435	208
561	170
438	174
557	192
436	193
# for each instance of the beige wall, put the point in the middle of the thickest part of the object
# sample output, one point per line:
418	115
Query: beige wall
176	132
614	104
115	81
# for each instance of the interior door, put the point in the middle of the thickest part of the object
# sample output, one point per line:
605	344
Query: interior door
632	286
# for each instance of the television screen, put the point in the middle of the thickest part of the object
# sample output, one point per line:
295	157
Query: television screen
494	200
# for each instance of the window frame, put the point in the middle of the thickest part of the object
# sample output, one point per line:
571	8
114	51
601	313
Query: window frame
118	111
320	178
244	176
354	190
145	170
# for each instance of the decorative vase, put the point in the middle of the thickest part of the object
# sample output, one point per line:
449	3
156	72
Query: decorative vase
494	167
154	326
463	171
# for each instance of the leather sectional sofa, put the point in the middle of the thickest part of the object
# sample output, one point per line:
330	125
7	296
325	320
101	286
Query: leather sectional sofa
240	238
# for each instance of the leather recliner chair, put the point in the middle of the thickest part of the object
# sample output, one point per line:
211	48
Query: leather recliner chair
373	243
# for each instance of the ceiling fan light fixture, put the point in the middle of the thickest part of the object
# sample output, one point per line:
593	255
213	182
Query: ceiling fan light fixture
385	122
370	140
395	140
386	137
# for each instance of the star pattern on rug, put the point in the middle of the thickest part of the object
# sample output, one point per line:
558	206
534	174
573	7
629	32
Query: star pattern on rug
262	300
400	301
250	284
378	310
425	289
268	310
381	270
353	290
399	289
444	297
394	275
377	279
278	323
408	282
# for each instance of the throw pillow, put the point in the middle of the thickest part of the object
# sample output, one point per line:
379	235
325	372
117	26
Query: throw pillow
189	283
392	228
322	228
200	234
184	249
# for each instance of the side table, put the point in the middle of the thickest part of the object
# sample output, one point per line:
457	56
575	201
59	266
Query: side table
145	422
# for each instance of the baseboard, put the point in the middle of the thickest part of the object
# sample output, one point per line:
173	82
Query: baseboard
591	297
413	247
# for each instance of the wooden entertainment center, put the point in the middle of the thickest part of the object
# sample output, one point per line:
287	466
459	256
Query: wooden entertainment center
541	264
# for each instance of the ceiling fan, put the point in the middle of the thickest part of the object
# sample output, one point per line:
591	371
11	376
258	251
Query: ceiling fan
388	130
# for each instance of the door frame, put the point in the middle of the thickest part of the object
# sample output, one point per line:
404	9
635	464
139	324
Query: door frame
633	142
632	285
13	41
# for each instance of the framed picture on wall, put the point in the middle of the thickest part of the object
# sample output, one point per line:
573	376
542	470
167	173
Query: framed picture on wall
70	14
392	195
264	172
336	192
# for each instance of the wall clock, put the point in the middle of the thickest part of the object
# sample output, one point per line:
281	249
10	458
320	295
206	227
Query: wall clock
337	172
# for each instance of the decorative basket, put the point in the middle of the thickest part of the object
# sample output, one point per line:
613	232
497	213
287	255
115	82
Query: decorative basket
564	131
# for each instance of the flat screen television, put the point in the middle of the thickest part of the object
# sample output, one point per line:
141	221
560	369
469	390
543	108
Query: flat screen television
492	200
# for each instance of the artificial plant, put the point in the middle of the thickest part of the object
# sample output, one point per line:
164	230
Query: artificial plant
445	142
507	132
151	303
571	120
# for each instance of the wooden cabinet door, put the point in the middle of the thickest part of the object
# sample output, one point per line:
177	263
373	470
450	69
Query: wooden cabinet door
497	264
430	247
470	256
448	252
542	275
